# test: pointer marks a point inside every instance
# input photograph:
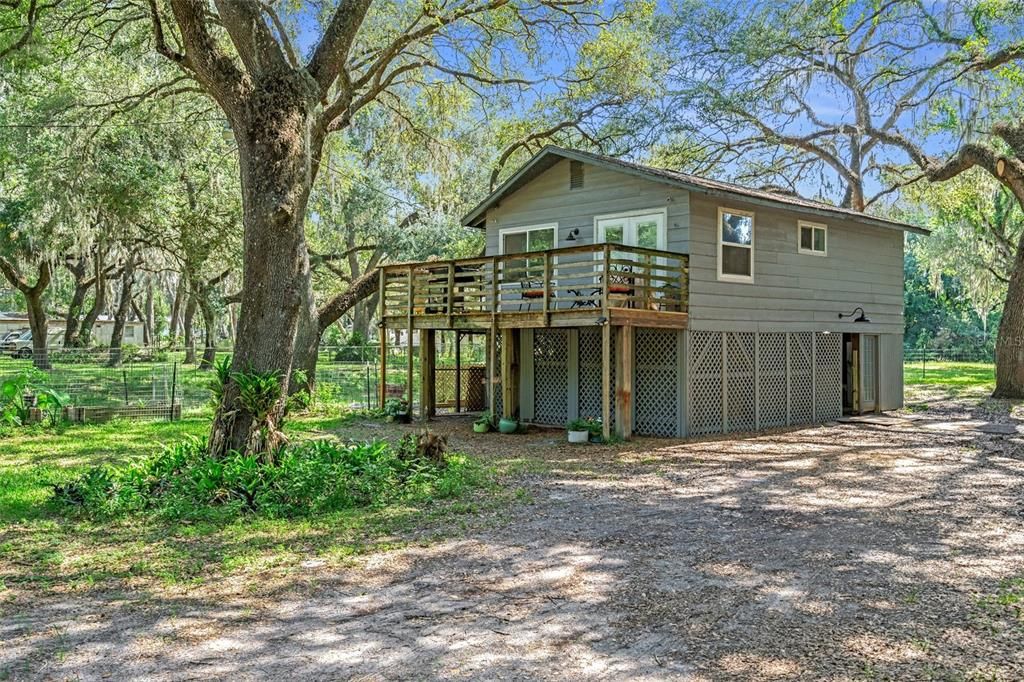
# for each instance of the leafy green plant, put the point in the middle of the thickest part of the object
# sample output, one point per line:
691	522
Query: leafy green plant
593	426
52	404
258	392
26	390
306	479
485	418
221	376
395	407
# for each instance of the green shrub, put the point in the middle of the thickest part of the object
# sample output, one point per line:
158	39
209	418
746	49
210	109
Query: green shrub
307	479
586	424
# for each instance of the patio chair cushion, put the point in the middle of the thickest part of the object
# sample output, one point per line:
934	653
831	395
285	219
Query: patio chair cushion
619	289
533	293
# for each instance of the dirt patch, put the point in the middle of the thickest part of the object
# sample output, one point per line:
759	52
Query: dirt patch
867	549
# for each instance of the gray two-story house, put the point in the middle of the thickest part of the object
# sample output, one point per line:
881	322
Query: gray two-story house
665	303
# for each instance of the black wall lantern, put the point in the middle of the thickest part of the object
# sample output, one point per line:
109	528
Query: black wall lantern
573	233
859	318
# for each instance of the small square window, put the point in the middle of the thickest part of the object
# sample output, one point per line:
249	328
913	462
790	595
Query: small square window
735	245
813	238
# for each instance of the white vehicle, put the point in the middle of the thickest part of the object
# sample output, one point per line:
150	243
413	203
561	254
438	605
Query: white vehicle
21	347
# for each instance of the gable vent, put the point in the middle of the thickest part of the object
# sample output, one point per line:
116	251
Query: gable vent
575	174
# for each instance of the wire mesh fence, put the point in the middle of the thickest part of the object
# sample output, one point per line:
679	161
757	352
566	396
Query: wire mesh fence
148	382
918	355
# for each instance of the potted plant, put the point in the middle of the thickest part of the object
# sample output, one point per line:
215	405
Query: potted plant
583	429
396	410
508	425
483	423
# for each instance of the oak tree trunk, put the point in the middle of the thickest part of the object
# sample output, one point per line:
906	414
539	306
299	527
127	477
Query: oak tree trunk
187	326
98	304
124	307
37	323
79	271
150	314
210	329
1010	338
172	331
276	149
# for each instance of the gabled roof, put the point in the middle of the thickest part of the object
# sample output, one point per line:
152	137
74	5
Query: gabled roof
550	155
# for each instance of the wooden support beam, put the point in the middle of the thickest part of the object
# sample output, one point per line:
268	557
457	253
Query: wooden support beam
428	394
492	368
408	345
624	381
458	372
606	380
510	373
382	390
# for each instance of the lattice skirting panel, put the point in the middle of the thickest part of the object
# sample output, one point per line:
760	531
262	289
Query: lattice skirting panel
745	381
551	376
590	373
496	377
656	382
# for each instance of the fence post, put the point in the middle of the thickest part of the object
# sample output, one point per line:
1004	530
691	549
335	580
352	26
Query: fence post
124	380
174	386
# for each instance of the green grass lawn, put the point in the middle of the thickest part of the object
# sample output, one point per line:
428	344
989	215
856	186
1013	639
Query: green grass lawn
43	548
956	375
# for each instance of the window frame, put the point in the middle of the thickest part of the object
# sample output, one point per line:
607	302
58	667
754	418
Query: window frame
727	277
526	229
800	225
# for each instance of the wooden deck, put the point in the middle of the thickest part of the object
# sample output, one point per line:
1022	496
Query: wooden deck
577	286
615	287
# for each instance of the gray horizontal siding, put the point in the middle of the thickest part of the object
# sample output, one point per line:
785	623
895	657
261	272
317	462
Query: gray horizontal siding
793	291
548	199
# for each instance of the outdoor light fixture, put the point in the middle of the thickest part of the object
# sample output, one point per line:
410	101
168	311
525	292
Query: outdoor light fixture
601	321
380	324
860	318
573	233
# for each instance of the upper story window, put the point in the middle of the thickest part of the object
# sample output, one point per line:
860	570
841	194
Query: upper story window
735	245
813	238
527	240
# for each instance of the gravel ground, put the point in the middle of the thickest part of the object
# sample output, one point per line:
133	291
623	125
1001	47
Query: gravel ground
865	550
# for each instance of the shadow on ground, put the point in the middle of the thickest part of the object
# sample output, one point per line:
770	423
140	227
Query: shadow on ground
873	549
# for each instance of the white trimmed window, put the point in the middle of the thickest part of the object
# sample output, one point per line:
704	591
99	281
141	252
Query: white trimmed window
812	238
527	240
735	245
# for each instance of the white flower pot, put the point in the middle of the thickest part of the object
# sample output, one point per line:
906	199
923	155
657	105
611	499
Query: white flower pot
579	436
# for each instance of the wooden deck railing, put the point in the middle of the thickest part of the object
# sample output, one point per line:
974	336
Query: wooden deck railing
573	279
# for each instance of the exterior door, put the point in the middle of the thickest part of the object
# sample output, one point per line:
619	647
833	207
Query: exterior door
646	231
868	372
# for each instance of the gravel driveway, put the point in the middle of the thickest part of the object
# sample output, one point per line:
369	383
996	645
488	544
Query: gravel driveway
869	550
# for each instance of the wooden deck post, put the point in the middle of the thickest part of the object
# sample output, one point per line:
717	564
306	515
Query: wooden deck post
606	379
624	381
458	371
382	391
509	373
428	393
408	345
492	369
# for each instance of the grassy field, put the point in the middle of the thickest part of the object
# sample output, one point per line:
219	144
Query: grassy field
956	375
42	548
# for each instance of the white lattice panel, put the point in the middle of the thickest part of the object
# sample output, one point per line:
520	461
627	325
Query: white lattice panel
550	376
656	389
829	377
772	377
705	382
801	399
739	355
590	373
497	409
